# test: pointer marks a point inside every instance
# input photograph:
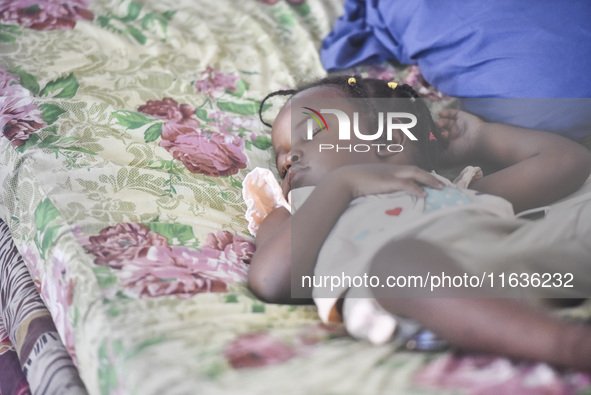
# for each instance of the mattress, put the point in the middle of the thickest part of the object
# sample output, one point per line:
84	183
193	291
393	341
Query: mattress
128	128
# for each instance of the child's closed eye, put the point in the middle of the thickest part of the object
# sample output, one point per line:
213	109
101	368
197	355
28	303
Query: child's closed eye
315	132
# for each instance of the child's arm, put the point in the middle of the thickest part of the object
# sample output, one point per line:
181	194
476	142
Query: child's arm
499	326
270	275
270	272
534	168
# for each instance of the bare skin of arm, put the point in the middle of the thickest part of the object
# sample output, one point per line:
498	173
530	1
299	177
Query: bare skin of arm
498	326
531	168
270	273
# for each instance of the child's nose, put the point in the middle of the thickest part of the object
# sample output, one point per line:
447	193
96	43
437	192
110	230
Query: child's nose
291	159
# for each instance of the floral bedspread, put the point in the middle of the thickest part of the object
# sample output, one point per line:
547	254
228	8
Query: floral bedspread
128	127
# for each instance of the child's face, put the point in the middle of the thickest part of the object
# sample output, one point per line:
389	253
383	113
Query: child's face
301	161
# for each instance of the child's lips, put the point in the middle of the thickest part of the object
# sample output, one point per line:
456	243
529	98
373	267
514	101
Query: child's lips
294	174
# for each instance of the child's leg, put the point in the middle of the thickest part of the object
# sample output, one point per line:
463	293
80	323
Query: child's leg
500	326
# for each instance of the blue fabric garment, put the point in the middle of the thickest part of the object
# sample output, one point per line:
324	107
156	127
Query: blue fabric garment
480	49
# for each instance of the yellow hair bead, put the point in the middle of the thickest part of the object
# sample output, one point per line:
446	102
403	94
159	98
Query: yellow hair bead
392	85
352	81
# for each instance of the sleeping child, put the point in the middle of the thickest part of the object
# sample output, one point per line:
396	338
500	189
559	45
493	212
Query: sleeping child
375	209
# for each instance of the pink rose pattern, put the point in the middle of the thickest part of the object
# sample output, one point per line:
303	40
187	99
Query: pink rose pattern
415	79
257	349
116	245
226	123
213	154
169	110
212	82
45	14
19	116
150	267
485	375
232	245
379	71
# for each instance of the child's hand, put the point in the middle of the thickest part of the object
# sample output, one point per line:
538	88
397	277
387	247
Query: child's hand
377	178
458	130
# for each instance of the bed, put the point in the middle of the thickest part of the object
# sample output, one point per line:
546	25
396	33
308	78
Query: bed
127	130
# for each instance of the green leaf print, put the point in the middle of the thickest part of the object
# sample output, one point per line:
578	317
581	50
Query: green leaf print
51	112
262	143
7	38
201	114
258	308
8	33
103	21
153	133
135	26
231	298
68	140
144	345
132	120
107	372
44	214
104	276
133	11
168	14
48	238
177	234
302	9
156	23
236	183
27	80
286	19
137	34
48	140
241	87
63	87
239	108
33	140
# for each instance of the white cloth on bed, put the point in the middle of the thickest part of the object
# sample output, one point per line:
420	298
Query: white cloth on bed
262	194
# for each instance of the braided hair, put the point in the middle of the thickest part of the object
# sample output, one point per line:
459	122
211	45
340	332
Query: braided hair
369	90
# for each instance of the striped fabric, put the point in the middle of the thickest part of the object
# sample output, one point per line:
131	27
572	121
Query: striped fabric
33	347
12	378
